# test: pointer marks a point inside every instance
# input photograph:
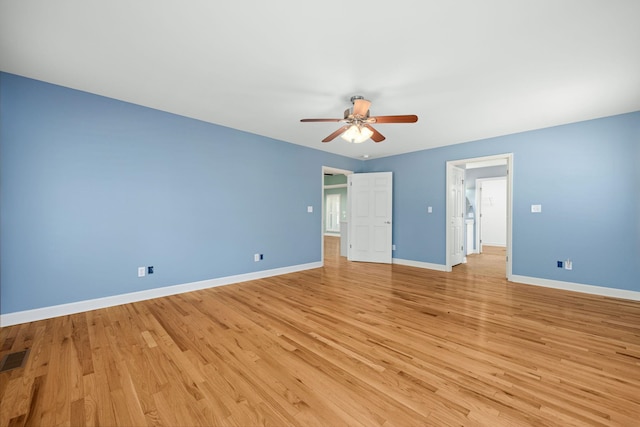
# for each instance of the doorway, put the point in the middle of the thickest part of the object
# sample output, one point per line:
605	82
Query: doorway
506	161
332	184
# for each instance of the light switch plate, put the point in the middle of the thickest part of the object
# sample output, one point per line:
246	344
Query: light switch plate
309	209
429	209
536	208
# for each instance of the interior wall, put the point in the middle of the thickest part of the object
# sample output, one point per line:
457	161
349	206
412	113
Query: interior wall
93	188
585	176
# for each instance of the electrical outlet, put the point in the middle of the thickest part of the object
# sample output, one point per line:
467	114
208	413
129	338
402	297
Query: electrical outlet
256	257
568	265
150	269
393	247
560	264
142	271
261	257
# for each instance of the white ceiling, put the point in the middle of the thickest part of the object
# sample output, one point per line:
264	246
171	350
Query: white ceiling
469	69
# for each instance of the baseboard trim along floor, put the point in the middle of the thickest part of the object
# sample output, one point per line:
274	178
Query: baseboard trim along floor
81	306
578	287
94	304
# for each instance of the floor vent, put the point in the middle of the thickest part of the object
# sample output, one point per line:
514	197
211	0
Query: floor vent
13	360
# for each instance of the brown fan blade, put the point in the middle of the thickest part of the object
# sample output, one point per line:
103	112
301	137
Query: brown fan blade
321	120
360	107
377	136
336	133
409	118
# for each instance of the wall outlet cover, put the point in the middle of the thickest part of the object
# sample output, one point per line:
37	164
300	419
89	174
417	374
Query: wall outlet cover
560	264
150	269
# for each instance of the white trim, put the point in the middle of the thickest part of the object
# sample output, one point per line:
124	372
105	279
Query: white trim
94	304
578	287
332	186
419	264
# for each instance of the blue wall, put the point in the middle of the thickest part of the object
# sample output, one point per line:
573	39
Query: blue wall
585	175
92	188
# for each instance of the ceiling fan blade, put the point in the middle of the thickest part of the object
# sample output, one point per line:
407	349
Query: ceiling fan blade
408	118
360	107
336	133
377	136
321	120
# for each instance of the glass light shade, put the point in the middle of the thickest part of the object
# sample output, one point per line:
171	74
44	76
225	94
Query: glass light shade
356	134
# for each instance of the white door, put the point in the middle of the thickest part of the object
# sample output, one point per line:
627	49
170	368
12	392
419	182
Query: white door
370	199
493	212
332	215
457	208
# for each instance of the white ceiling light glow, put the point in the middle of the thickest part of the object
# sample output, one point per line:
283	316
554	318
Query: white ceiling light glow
356	134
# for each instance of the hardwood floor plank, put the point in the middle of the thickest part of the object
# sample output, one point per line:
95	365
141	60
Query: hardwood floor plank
346	344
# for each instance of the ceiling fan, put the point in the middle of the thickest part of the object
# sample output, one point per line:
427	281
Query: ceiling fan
358	122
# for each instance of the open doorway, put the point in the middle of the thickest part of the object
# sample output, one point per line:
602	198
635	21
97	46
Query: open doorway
467	212
334	208
487	222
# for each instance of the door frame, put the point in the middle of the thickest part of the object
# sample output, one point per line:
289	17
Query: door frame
327	169
450	164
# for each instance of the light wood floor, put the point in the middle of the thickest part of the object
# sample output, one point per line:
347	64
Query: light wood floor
492	262
348	344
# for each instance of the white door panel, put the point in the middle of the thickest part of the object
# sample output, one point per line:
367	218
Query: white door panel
456	215
370	198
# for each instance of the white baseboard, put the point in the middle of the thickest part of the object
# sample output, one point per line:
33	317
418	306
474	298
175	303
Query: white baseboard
94	304
556	284
578	287
420	264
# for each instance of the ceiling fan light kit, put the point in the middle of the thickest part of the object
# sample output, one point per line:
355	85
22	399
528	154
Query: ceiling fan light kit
356	134
358	122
